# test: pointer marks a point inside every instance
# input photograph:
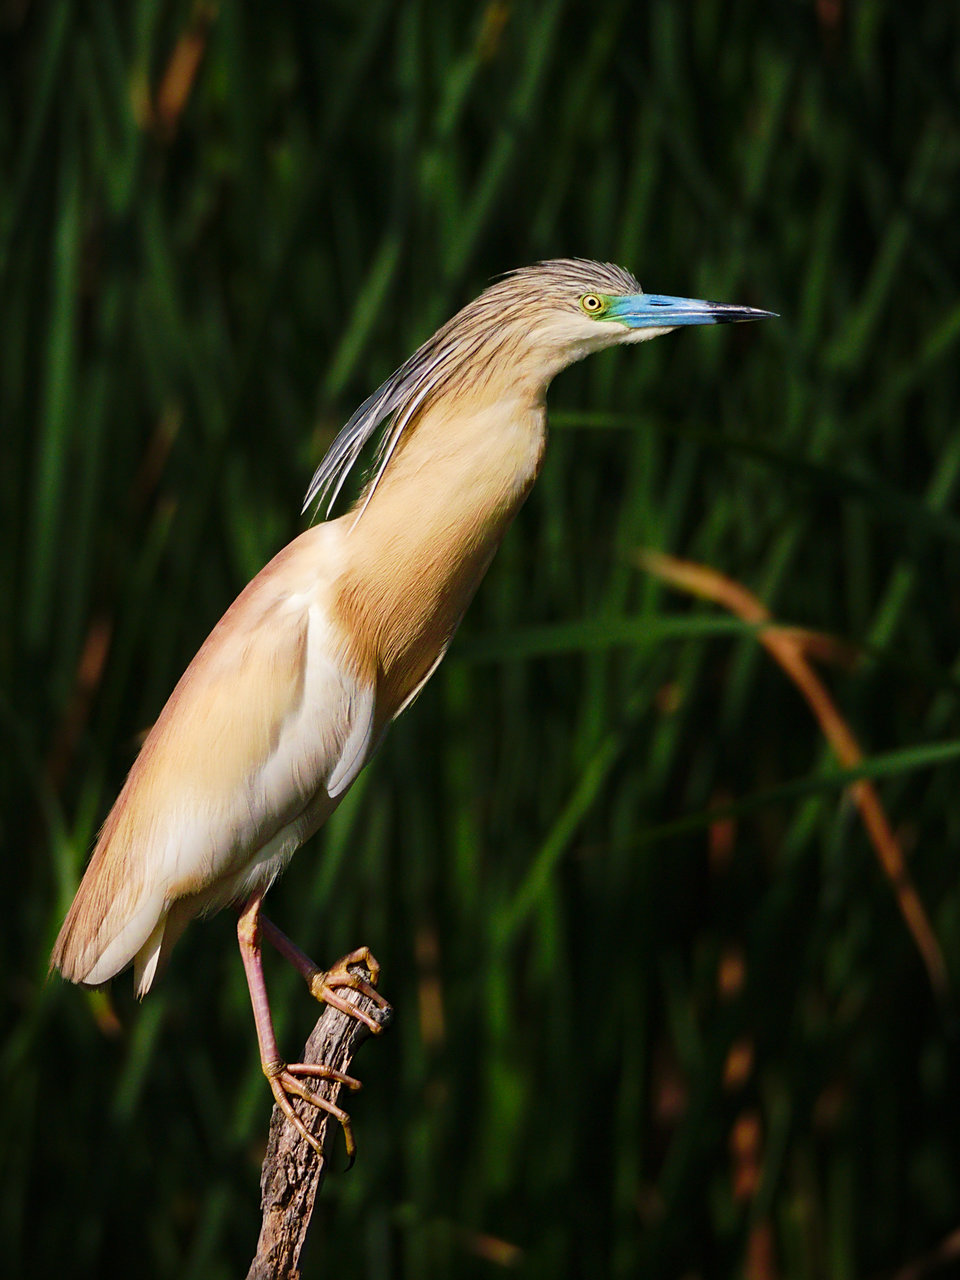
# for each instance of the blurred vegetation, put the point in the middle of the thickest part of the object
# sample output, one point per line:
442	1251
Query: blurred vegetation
658	1013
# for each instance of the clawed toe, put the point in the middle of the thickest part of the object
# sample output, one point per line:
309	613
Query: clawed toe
324	987
282	1078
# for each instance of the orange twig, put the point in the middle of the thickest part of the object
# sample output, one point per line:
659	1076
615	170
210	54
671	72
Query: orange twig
86	683
182	69
790	647
945	1254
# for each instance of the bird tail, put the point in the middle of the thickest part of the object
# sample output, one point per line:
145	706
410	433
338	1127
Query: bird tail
112	921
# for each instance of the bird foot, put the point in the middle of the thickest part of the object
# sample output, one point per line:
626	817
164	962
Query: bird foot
283	1081
324	986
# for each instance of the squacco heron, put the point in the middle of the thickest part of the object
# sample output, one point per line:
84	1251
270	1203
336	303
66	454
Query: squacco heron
294	688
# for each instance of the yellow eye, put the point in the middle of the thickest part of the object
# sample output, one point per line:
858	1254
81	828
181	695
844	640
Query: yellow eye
592	304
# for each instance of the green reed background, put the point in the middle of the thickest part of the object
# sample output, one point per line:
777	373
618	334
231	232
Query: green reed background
632	1038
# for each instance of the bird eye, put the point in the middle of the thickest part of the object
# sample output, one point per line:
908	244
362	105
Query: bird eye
592	304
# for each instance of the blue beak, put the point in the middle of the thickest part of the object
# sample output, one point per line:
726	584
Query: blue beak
656	311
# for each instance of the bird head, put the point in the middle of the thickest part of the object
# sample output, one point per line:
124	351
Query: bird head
511	341
553	313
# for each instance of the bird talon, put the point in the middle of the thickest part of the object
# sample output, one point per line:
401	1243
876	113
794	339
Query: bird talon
364	956
322	991
279	1090
341	975
282	1078
323	987
319	1072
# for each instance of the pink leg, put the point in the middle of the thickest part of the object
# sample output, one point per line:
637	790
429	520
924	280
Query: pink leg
282	1077
323	984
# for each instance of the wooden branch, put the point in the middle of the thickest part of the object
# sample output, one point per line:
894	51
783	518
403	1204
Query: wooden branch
292	1170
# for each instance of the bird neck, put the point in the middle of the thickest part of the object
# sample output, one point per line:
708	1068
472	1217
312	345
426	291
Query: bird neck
417	553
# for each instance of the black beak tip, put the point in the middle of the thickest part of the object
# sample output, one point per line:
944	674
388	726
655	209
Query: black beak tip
728	313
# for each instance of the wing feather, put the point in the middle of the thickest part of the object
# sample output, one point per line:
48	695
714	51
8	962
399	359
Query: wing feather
264	732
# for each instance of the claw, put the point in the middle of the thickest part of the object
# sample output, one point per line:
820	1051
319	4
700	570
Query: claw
323	986
282	1078
319	1072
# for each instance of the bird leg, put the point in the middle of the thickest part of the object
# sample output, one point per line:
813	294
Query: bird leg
282	1076
323	983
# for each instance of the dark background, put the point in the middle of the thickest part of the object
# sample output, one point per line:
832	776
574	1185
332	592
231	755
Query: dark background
633	1037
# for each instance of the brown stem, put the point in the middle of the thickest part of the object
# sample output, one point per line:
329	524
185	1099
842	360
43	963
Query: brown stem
790	647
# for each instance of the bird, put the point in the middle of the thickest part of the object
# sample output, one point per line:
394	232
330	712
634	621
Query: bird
293	690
